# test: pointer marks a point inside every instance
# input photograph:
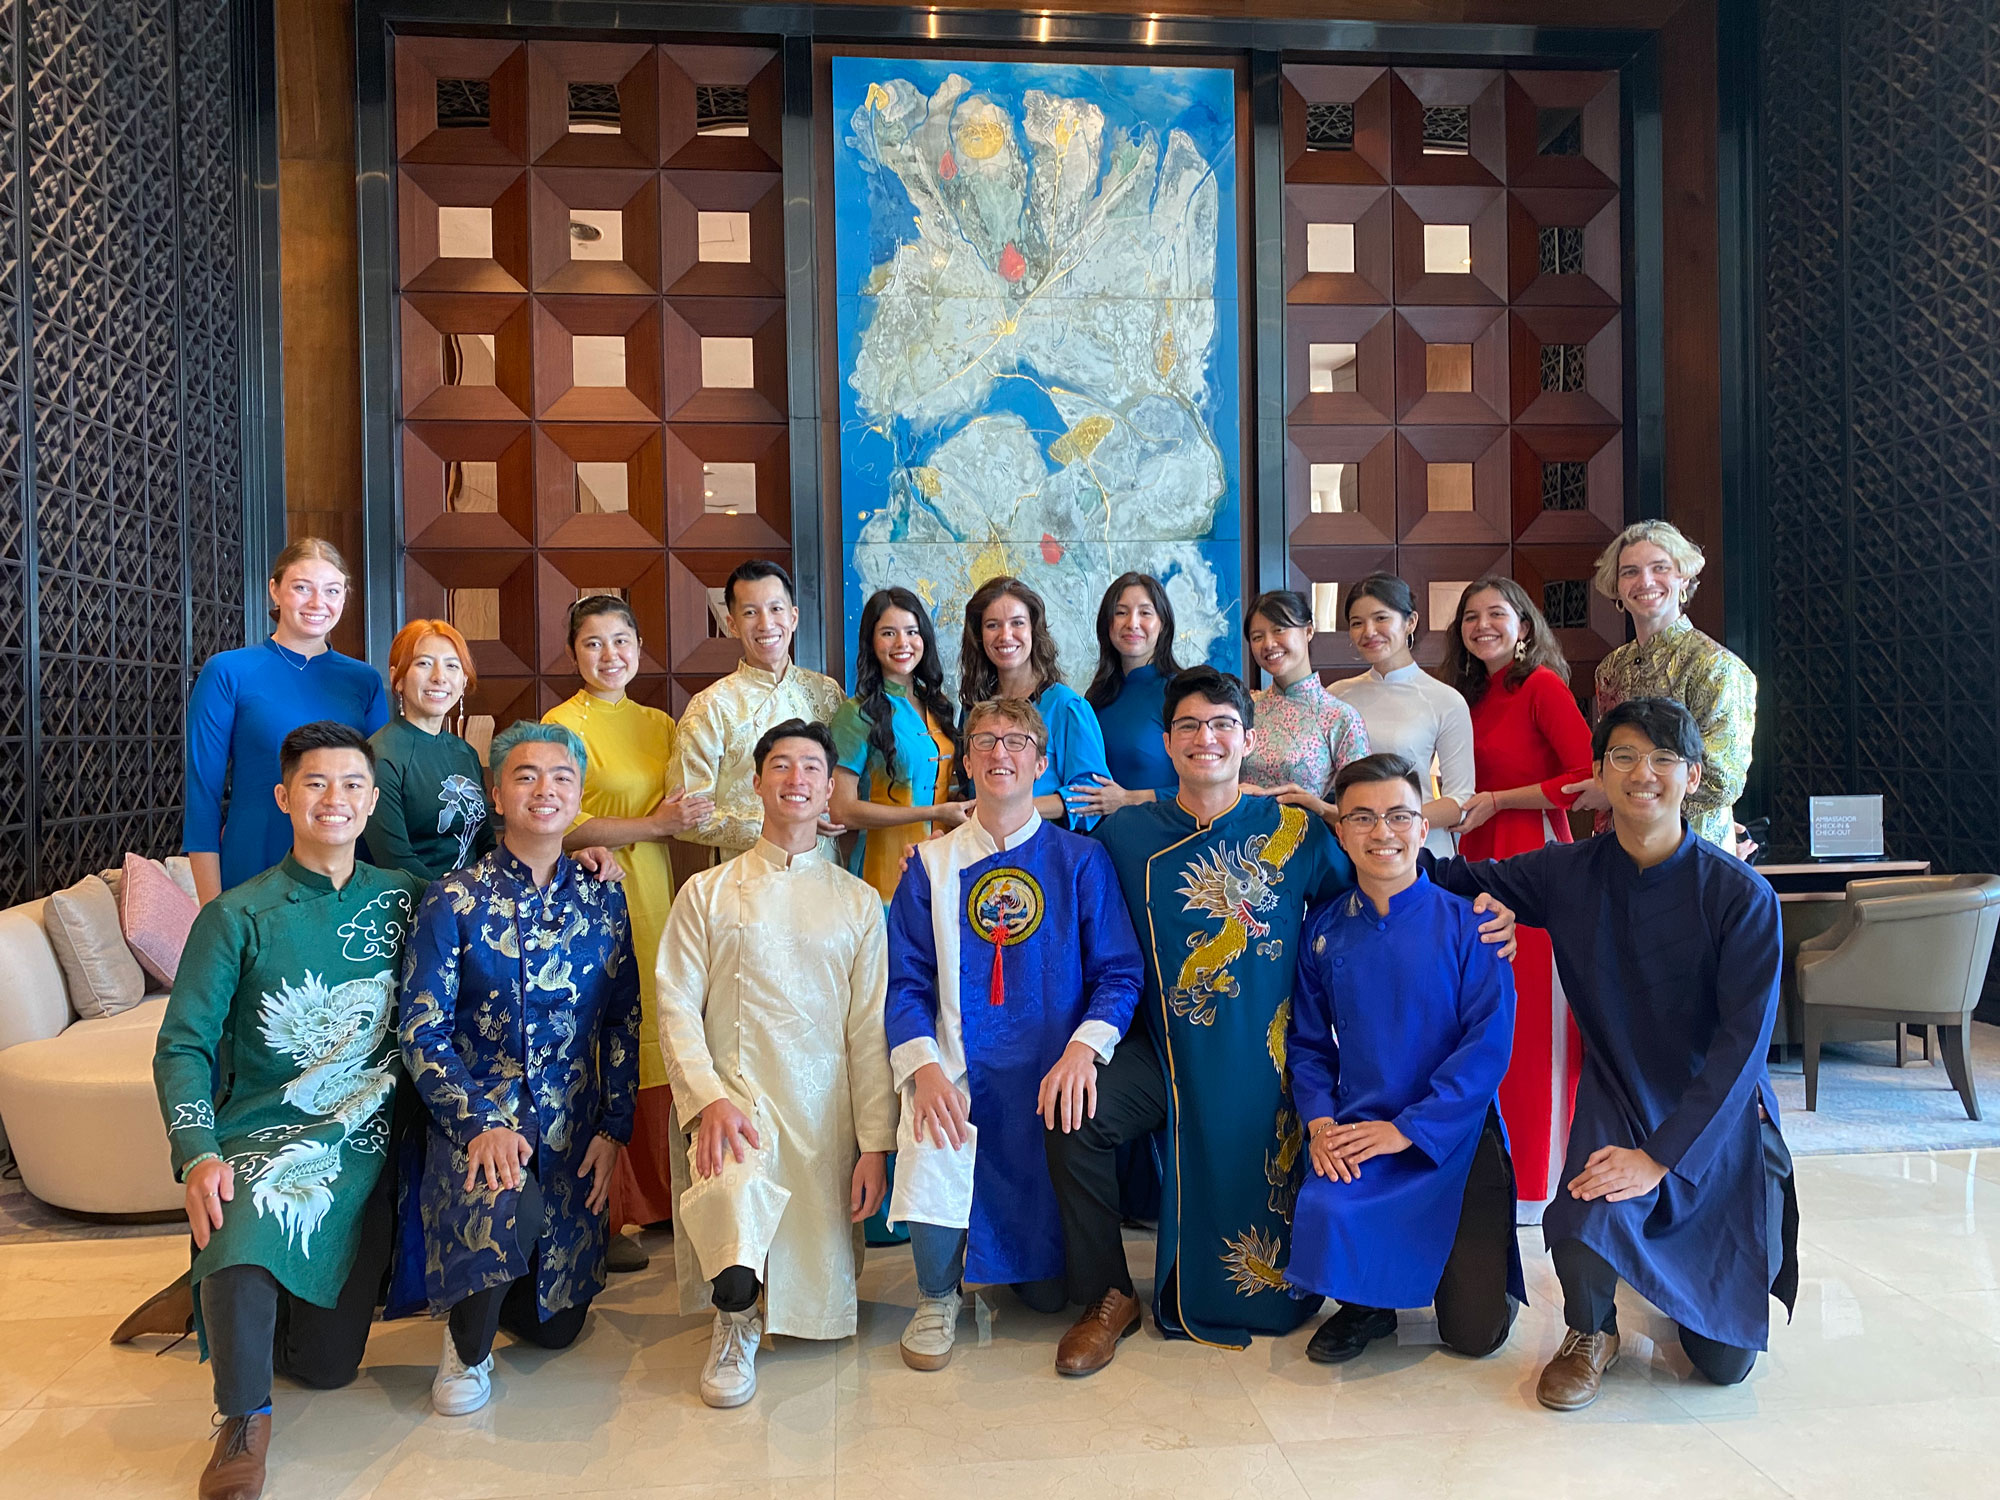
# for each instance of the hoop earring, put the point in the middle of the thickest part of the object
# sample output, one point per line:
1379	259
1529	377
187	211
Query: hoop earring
1619	605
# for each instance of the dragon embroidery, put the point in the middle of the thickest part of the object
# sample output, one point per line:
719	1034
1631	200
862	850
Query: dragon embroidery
331	1032
1234	885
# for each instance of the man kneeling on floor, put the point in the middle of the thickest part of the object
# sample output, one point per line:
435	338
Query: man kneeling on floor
1679	1182
1402	1024
276	1065
520	1030
1014	971
770	984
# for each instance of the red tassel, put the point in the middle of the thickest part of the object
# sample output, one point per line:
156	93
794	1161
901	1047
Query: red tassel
998	989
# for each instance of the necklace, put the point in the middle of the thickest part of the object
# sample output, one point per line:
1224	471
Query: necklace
286	653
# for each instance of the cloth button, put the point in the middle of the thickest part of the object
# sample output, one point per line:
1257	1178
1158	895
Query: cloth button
1381	926
1340	963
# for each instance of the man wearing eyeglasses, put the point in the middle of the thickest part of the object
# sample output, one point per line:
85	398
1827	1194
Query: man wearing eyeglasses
1402	1026
1013	973
1678	1181
1218	883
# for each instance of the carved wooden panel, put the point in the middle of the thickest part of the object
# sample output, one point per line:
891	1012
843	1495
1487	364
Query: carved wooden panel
592	316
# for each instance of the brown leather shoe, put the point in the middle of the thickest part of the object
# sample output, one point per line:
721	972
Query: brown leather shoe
169	1311
1570	1380
236	1468
1092	1339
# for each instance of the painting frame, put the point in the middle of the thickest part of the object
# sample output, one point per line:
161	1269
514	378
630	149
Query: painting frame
1230	549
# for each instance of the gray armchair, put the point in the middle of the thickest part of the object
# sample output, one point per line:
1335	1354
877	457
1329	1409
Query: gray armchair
1910	951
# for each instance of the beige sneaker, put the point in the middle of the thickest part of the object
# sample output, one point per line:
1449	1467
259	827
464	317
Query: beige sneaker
933	1328
1570	1381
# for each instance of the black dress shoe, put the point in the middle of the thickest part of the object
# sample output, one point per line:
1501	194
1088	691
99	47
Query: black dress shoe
1348	1332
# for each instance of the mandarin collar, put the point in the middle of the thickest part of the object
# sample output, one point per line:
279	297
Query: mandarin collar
779	859
509	864
1186	812
987	844
293	658
312	880
1308	686
1665	634
1683	852
1401	674
1411	896
756	673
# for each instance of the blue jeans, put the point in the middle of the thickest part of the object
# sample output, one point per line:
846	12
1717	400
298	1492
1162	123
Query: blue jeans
940	1256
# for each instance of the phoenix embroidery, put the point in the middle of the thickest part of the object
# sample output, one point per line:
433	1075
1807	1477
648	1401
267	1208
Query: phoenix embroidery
1233	884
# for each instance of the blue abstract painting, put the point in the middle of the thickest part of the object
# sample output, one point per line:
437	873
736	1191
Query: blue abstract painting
1039	346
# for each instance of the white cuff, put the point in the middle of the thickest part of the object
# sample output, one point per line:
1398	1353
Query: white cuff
1100	1037
906	1057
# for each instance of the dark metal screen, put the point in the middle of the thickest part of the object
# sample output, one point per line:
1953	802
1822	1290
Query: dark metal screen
1882	290
121	544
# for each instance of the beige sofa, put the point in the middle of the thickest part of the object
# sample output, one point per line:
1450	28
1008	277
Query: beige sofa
76	1097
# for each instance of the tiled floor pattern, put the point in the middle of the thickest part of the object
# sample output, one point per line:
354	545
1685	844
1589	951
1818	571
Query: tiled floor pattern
1886	1384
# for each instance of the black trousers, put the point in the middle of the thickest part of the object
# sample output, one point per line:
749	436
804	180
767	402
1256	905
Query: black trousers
1590	1285
1475	1311
477	1319
256	1329
1083	1164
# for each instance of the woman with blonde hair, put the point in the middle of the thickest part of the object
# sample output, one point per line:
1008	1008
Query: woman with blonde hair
1650	571
246	701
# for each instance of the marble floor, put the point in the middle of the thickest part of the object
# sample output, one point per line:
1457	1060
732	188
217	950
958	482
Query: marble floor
1886	1384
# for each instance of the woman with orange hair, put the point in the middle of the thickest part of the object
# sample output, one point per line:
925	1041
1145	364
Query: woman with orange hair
432	815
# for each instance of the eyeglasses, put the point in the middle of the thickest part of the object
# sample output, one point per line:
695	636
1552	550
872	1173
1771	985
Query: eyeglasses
1663	762
1221	724
1400	820
1014	742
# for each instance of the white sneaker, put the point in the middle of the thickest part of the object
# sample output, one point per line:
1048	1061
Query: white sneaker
730	1376
459	1389
933	1328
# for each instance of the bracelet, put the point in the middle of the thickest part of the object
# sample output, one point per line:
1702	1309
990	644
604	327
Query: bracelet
197	1161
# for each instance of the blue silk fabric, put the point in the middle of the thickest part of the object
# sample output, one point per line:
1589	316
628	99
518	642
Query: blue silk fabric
1407	1018
520	1009
1218	909
1672	975
1079	961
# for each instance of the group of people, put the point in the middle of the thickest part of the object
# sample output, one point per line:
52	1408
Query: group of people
1250	957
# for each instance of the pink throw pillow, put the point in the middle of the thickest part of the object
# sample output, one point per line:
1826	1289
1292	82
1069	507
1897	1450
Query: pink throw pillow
155	914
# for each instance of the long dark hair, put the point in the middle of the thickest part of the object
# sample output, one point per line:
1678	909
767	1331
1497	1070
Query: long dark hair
1468	673
1110	665
926	681
978	678
1386	587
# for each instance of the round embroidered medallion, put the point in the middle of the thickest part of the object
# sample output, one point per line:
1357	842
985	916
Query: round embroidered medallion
1005	907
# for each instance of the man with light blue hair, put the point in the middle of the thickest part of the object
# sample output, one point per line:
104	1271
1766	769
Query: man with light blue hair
520	1029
